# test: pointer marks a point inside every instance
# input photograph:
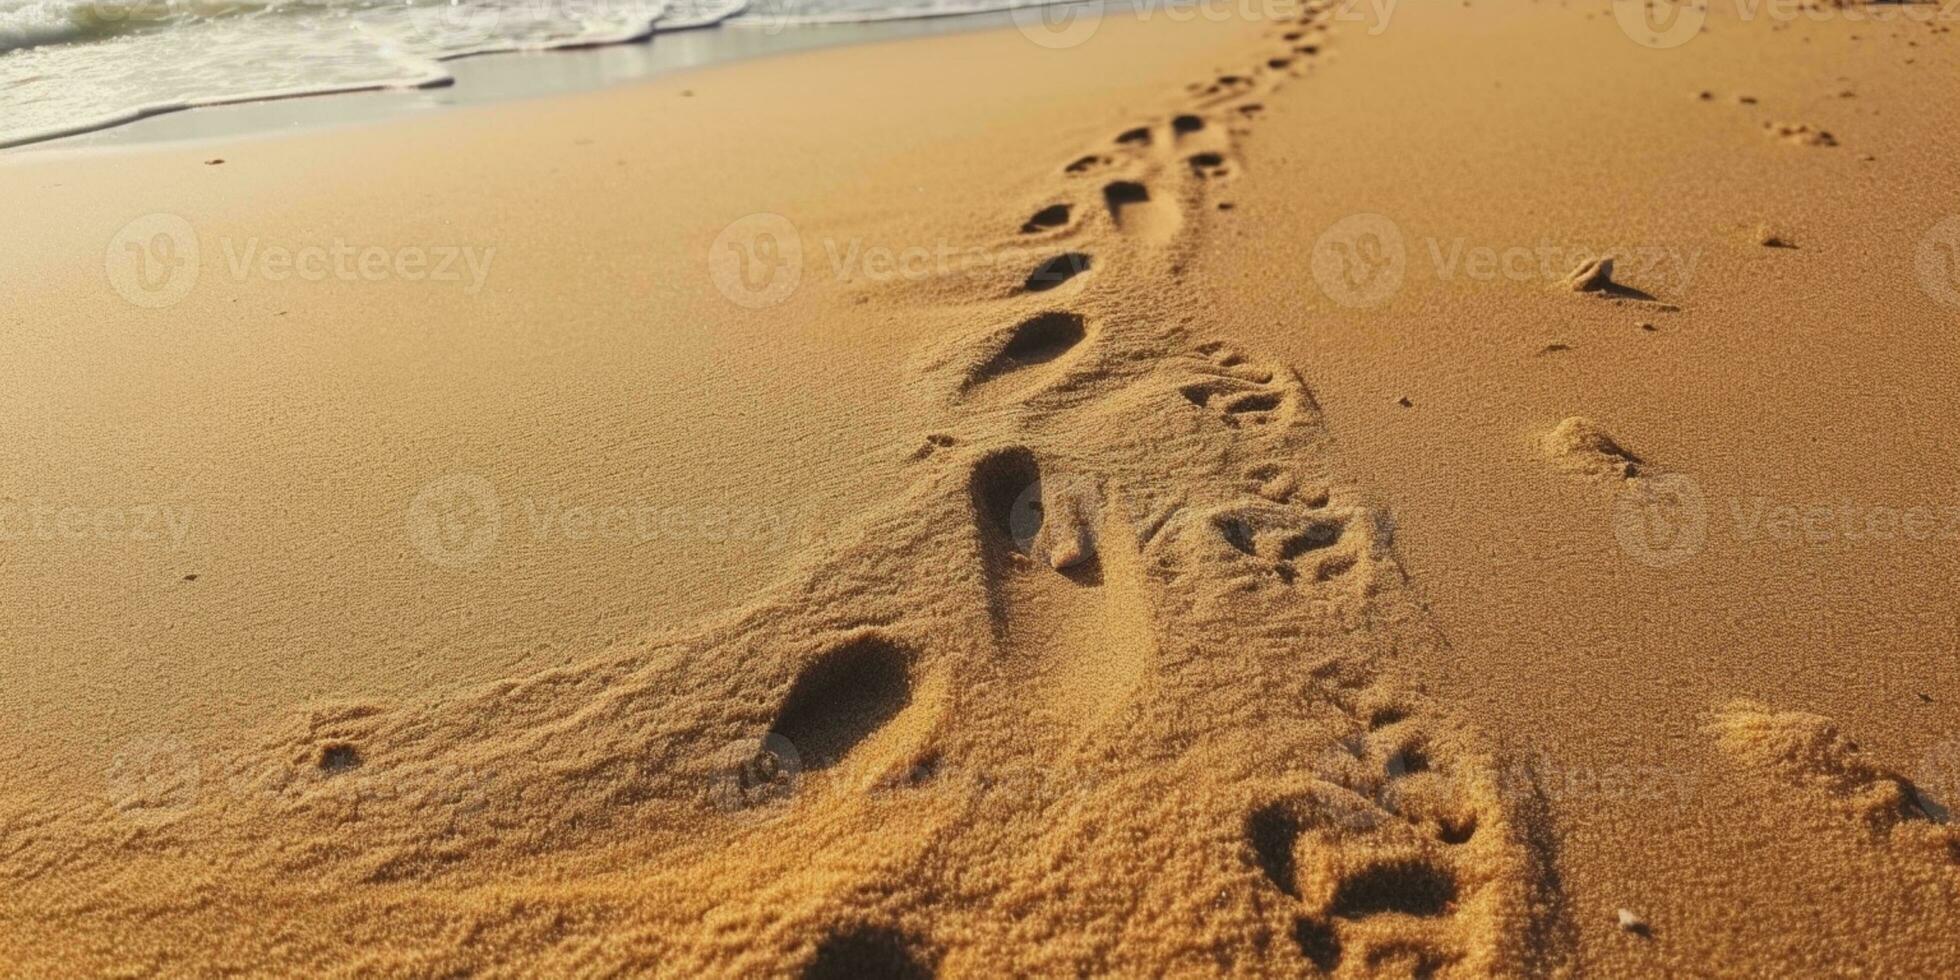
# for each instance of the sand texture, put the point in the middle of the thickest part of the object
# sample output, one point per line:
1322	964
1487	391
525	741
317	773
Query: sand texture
1186	556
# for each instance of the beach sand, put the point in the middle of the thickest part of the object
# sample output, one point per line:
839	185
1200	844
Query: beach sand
1155	502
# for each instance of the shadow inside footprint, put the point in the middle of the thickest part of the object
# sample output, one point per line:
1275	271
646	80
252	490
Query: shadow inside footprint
1052	216
1318	943
1407	887
1056	271
1037	341
1123	193
865	952
842	699
1006	488
1272	831
339	758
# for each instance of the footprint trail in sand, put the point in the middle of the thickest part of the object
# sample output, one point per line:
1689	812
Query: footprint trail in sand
1127	680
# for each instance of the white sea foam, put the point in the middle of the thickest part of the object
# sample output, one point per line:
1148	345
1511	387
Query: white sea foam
69	66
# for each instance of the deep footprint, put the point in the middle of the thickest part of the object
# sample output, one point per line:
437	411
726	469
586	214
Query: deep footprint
1121	194
867	952
842	699
1052	216
1403	887
1056	271
1006	490
1207	164
1037	340
1272	831
1318	943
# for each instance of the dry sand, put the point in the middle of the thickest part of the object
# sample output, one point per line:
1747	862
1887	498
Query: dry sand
1171	561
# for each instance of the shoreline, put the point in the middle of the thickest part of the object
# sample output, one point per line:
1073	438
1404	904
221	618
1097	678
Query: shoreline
512	76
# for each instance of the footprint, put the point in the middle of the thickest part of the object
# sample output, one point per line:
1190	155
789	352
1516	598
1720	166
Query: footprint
861	952
1134	212
1140	136
1236	401
1064	589
1404	887
1401	871
1056	271
1006	490
1122	194
339	757
1278	484
1037	340
1187	124
1228	86
843	698
1240	393
1272	831
1083	165
933	442
1287	541
1319	943
1053	523
1208	165
1052	216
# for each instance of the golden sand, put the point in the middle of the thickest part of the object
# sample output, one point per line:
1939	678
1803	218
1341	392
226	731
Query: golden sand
972	507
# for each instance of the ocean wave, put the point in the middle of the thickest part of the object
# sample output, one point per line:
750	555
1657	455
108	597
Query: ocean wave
32	23
791	13
69	67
